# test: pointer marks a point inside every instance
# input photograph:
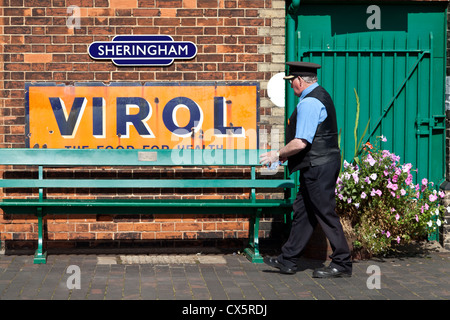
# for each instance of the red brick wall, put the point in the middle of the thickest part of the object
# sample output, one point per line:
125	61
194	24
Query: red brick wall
237	40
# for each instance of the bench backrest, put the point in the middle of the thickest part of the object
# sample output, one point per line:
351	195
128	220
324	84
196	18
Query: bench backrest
130	157
176	157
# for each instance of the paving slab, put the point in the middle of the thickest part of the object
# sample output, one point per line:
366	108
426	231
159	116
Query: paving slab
227	277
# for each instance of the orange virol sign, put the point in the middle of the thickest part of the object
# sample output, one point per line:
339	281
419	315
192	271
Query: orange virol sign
152	116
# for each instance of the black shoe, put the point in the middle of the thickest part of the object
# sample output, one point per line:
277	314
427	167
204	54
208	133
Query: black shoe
330	272
273	262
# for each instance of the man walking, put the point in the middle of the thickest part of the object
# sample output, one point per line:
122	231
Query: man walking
312	148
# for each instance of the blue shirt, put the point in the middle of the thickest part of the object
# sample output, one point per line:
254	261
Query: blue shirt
310	113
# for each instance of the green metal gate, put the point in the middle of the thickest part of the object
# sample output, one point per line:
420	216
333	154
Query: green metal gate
394	57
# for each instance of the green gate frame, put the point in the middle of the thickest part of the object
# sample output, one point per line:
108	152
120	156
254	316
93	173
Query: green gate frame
426	126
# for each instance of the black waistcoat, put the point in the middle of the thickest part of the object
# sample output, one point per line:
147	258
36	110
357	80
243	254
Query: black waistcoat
325	147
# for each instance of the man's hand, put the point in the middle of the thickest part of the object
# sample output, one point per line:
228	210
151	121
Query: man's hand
269	157
293	147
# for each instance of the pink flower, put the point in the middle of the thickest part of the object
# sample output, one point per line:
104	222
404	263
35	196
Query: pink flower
397	216
376	192
407	167
432	197
398	239
395	178
392	186
363	195
388	234
403	192
417	218
424	181
395	158
409	179
346	164
370	160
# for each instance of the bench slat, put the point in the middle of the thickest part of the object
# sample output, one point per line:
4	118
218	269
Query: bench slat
144	183
267	203
126	206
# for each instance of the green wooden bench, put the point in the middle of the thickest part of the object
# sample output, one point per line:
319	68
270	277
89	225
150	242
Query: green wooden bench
40	205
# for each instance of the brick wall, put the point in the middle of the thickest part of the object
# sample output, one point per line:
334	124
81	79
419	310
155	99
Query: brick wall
237	40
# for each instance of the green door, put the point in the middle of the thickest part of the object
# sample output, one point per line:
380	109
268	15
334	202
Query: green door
394	57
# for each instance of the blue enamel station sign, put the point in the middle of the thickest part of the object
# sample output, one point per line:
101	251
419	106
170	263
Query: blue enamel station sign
142	50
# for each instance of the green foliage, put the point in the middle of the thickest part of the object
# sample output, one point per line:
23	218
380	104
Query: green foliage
378	199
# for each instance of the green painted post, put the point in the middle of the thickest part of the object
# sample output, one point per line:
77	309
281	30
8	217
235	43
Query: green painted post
40	257
252	250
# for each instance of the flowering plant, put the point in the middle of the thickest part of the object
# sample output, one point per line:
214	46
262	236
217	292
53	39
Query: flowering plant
377	199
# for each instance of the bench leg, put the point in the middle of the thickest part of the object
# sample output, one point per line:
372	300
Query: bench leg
252	250
40	257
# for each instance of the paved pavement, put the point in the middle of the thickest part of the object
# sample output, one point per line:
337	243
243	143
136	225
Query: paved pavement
228	277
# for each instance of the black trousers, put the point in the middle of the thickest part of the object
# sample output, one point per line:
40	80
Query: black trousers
315	203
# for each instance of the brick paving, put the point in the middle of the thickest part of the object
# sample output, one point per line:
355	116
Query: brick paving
229	277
